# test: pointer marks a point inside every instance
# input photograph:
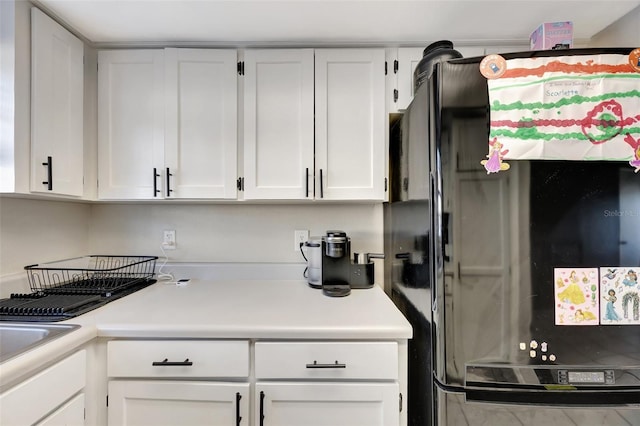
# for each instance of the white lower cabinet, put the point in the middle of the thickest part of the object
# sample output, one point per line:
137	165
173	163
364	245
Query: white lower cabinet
327	384
177	402
327	404
285	383
51	397
178	382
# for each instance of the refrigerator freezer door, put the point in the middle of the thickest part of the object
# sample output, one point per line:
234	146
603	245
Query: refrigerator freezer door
455	409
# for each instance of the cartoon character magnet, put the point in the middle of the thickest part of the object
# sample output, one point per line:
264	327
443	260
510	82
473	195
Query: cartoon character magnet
494	164
620	296
576	296
635	144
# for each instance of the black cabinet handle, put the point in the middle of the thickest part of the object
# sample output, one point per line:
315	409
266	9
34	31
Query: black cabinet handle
306	177
169	190
261	408
49	181
155	182
238	418
334	365
166	363
321	185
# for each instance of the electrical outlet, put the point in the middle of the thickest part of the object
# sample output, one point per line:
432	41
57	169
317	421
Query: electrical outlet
169	240
300	237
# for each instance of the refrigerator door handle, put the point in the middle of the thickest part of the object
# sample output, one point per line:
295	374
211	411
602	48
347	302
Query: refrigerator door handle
436	243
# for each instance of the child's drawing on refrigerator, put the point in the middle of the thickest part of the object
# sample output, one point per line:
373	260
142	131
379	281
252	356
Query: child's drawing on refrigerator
576	296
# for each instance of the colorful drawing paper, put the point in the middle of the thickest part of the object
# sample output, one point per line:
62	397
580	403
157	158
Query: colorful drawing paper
579	107
619	296
576	296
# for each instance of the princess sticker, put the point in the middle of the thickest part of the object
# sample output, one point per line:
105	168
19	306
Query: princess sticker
494	163
576	296
610	313
635	144
621	293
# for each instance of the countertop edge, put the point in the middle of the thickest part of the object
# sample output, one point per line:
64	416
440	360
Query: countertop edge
24	365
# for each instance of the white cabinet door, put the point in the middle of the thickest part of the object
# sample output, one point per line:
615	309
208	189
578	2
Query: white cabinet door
70	414
350	124
45	393
278	124
56	108
201	123
408	60
172	403
327	404
130	124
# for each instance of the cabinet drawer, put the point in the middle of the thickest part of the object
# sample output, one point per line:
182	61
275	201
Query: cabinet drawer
177	358
327	360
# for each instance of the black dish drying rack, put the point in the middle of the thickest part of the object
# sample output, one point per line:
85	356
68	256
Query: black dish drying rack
95	274
71	287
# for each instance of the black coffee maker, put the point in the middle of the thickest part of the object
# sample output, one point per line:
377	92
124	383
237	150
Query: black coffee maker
336	264
339	274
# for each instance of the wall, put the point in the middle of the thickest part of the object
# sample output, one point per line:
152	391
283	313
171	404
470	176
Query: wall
238	232
35	231
623	33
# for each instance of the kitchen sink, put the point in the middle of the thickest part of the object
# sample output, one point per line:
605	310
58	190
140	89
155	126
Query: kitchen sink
17	338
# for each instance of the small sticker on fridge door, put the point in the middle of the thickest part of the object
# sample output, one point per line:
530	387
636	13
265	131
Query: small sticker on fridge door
620	296
576	296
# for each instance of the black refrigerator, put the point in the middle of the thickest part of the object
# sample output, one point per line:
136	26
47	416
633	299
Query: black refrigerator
520	284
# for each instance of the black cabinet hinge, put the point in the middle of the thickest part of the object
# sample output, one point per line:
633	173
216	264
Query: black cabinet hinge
395	95
385	185
395	66
241	68
107	400
385	68
400	395
240	184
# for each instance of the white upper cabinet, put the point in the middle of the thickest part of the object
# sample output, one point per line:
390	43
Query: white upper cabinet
201	123
408	60
278	124
56	108
350	124
167	124
130	124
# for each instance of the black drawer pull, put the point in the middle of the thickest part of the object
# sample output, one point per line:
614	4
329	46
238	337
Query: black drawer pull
334	365
49	181
167	363
238	417
155	182
169	190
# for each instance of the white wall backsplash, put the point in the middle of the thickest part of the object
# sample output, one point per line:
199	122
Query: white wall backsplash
229	233
35	231
227	240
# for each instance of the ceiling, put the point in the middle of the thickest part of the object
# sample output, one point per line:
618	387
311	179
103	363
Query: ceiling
235	22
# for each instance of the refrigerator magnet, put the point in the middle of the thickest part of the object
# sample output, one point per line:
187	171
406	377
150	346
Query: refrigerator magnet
620	296
576	296
493	66
494	162
634	59
635	145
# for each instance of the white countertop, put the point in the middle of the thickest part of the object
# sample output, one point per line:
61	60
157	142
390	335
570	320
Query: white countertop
229	310
252	309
